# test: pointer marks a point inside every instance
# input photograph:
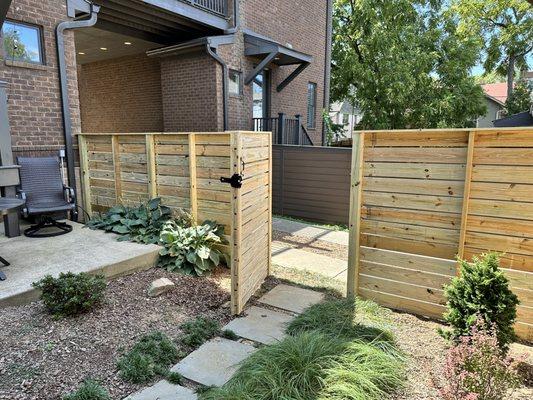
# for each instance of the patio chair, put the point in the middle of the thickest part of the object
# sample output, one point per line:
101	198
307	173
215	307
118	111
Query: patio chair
47	198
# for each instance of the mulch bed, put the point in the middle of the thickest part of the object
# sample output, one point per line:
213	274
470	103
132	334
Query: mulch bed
43	358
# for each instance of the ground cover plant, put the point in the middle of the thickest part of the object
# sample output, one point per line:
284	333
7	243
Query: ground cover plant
89	390
199	330
481	290
71	294
191	250
477	368
347	355
152	355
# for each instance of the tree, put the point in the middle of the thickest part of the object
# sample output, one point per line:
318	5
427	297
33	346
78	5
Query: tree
520	99
506	28
402	63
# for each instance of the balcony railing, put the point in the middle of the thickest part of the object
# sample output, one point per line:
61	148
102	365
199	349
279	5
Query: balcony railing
218	7
284	130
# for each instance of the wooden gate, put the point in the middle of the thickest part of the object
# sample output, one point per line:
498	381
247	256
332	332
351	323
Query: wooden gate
421	198
185	170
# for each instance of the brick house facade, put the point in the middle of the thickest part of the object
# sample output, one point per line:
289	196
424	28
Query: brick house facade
181	92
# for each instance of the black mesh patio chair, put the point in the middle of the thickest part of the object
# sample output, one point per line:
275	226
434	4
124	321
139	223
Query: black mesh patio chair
47	198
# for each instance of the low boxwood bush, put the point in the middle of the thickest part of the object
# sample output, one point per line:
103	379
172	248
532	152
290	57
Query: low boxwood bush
481	291
89	390
191	250
199	331
325	357
70	293
151	356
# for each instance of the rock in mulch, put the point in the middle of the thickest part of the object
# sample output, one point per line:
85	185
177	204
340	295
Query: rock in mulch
160	286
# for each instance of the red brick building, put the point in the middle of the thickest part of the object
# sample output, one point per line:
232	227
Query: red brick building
163	65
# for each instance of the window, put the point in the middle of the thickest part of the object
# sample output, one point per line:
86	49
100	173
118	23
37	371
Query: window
235	82
345	119
22	42
311	105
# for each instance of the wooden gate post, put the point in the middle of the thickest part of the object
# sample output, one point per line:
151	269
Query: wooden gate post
356	191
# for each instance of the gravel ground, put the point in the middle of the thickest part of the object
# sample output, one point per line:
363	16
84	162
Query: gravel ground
43	358
312	245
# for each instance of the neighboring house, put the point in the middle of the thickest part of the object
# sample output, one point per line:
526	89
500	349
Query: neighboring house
345	114
495	97
161	66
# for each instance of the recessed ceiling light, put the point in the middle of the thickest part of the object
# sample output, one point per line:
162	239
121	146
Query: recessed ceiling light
103	48
81	53
127	43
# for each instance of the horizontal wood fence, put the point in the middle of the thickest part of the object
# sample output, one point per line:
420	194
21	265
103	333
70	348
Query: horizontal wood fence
312	183
184	169
419	198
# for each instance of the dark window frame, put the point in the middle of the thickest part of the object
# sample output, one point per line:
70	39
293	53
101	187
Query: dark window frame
240	84
311	107
41	43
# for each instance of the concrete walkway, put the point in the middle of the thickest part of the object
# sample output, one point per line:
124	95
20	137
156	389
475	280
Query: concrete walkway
216	361
311	231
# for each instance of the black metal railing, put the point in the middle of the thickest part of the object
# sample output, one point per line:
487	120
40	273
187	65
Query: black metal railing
284	130
219	7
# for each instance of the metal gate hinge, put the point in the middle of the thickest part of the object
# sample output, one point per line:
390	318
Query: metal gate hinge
235	181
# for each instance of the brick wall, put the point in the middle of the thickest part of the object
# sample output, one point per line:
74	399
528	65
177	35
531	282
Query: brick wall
121	95
34	100
191	88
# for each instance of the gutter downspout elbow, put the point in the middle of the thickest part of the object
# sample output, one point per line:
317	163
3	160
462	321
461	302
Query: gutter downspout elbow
63	80
225	96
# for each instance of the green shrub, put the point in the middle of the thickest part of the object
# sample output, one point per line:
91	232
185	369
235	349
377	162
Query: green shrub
89	390
481	290
151	356
174	377
71	294
199	331
229	334
191	250
141	224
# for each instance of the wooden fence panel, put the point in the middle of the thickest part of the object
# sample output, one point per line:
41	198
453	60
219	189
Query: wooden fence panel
424	197
185	171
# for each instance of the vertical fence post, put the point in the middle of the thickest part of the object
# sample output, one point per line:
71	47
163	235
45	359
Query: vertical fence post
299	137
84	172
281	128
116	167
356	192
466	195
269	203
150	163
192	176
236	225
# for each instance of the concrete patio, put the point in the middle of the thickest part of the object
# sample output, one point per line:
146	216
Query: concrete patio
82	250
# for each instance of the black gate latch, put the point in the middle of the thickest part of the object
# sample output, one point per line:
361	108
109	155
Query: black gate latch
235	181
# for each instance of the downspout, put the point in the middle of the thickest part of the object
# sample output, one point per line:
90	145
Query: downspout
327	67
225	94
67	124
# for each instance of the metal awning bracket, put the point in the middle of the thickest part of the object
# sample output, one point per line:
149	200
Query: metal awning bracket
291	77
260	67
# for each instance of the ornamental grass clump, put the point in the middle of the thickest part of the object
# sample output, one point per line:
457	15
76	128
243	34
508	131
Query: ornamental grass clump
481	290
71	294
477	368
89	390
191	250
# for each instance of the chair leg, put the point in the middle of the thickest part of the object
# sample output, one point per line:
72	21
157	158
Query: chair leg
47	222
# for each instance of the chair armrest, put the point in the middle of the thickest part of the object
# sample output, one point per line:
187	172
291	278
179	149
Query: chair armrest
69	194
22	195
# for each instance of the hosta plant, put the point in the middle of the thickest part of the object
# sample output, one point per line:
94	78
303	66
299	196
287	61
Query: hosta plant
477	368
141	224
191	250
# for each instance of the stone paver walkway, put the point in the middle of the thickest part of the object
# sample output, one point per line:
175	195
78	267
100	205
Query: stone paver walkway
309	231
215	362
286	256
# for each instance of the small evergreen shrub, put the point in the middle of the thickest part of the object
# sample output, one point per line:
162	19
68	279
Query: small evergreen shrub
151	356
191	250
477	369
89	390
199	331
481	290
174	378
229	334
71	294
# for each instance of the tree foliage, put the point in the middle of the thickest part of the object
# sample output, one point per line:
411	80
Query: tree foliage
520	99
403	64
506	29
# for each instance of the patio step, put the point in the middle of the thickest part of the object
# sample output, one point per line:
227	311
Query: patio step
82	250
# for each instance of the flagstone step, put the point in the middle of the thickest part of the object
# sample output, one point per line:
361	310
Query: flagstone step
291	298
164	390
